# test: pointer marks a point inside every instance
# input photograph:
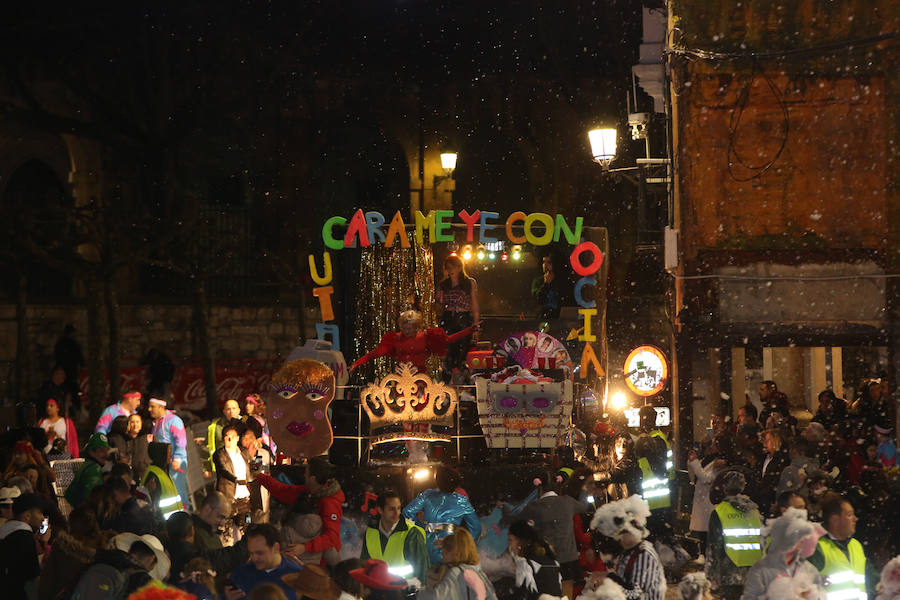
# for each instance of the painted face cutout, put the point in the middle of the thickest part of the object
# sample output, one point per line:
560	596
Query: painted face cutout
298	408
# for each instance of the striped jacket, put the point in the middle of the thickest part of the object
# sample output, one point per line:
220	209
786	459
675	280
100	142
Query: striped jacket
641	571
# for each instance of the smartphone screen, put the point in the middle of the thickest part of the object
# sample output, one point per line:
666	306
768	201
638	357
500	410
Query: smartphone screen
45	526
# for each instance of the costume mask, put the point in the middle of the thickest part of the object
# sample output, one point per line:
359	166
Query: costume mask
298	408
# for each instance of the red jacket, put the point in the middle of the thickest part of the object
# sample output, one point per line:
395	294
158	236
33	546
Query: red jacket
329	508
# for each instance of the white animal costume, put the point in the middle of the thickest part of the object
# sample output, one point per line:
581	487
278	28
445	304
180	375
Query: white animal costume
639	567
889	586
783	573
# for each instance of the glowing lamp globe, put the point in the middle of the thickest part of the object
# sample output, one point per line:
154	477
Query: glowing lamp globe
603	145
448	160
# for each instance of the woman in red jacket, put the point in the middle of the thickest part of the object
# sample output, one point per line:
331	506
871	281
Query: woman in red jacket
329	498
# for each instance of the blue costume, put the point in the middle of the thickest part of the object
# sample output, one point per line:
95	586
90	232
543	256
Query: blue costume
169	429
443	513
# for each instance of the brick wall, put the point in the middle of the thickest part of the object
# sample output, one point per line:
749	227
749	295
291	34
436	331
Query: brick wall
235	331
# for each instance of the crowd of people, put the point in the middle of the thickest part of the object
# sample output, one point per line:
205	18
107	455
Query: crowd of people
778	511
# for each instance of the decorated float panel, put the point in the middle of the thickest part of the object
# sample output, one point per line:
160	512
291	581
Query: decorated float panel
521	406
411	398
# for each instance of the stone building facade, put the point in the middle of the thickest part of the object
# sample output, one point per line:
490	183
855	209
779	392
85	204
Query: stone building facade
785	130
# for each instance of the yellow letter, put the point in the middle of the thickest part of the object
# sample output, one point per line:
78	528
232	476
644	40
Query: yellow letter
314	273
423	222
588	356
587	313
547	221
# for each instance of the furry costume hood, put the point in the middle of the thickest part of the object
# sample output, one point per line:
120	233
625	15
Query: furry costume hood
802	586
792	536
742	503
74	549
609	590
629	514
889	586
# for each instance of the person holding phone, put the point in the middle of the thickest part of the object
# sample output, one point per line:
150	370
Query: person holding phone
19	565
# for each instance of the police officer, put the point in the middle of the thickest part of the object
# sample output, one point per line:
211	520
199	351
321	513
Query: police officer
397	541
839	556
648	416
733	542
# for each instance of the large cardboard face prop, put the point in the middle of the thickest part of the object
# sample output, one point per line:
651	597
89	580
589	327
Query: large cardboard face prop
298	408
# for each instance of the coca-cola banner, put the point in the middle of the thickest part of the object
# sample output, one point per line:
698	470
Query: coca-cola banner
234	379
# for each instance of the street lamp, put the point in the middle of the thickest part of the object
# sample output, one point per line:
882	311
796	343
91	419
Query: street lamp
603	145
448	164
448	160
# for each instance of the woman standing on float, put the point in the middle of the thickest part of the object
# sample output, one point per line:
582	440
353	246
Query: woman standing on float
457	295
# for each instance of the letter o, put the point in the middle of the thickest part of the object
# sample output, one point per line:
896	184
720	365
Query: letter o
596	263
547	222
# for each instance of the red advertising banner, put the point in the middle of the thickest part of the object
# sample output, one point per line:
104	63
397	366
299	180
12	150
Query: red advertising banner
234	379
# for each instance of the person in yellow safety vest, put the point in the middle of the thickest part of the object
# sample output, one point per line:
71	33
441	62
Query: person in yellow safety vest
397	541
734	538
839	556
156	479
648	417
654	483
230	411
670	456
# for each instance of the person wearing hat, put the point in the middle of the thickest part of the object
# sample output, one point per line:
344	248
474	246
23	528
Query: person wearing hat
733	542
7	495
130	564
376	575
313	582
159	567
168	428
396	540
125	408
19	566
266	564
90	474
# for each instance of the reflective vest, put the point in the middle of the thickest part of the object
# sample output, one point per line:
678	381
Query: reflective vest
845	579
655	490
670	457
211	443
742	534
393	550
169	498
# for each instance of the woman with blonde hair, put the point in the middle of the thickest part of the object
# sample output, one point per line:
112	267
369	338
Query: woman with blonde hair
459	577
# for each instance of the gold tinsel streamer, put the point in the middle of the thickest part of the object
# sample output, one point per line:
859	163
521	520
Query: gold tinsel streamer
391	280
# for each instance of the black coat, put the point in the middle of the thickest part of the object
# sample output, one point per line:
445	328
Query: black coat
134	450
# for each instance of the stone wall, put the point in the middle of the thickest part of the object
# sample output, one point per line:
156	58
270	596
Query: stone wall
235	331
825	120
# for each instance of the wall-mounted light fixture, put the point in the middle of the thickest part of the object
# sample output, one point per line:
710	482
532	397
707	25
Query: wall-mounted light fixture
448	164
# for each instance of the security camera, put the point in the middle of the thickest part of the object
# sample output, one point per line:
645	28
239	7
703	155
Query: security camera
639	123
